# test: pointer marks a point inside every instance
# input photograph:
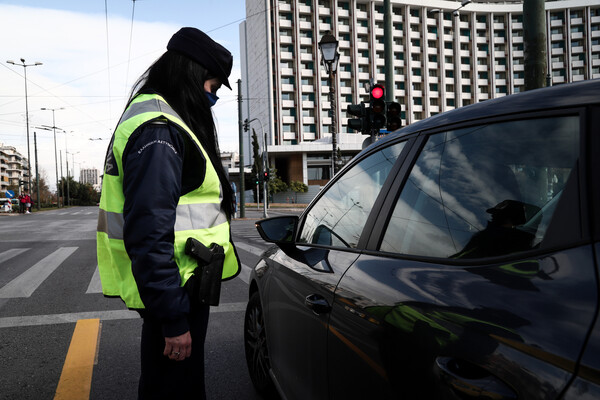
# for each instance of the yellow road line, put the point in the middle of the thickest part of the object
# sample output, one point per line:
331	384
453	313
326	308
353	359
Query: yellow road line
76	377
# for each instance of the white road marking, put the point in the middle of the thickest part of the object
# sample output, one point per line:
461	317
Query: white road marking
69	318
26	283
8	254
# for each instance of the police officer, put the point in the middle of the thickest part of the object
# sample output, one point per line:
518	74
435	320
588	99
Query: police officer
163	183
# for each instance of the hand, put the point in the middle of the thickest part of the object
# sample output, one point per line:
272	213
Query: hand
178	348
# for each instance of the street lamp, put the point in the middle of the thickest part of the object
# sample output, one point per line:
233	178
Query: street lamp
53	128
26	111
329	54
265	161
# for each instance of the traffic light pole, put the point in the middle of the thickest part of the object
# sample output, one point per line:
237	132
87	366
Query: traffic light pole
241	144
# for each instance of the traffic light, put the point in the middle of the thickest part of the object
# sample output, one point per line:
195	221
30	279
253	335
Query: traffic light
361	123
246	125
257	179
377	105
266	175
393	111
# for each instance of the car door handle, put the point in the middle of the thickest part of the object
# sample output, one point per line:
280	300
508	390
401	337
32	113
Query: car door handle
472	381
317	304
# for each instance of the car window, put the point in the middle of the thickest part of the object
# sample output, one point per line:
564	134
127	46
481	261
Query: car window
484	191
338	217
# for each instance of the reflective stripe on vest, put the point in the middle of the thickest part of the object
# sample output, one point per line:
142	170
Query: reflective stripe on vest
188	217
198	213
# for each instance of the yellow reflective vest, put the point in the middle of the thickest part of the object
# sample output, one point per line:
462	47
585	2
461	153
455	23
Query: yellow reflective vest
198	214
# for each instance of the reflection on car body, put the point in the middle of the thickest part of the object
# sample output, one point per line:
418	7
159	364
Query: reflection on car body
454	259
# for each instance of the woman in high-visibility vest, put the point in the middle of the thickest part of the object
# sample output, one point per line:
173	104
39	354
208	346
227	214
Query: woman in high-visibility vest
163	183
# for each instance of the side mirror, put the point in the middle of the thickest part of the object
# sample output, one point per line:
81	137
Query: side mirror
279	230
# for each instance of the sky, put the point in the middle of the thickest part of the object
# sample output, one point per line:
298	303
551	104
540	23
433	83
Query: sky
92	52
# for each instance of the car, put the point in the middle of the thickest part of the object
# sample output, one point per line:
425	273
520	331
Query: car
453	259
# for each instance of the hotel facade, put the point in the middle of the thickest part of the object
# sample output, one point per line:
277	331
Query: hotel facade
442	60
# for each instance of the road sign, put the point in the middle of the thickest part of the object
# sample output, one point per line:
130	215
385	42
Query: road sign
9	194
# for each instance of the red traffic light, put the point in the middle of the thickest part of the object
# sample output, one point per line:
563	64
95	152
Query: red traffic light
377	91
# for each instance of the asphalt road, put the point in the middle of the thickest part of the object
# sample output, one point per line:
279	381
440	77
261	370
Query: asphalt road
49	284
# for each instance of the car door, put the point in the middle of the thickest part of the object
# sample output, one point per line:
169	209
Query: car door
301	280
481	283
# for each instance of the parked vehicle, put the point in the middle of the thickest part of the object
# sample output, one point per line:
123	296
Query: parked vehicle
5	205
454	259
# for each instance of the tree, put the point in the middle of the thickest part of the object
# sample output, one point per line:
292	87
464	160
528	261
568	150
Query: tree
298	187
276	185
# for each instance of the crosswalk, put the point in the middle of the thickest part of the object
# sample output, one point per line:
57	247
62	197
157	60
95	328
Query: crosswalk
25	284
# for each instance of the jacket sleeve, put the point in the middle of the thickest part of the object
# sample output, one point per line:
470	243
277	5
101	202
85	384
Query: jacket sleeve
152	171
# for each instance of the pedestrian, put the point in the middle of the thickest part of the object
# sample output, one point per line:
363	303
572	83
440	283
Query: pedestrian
27	202
22	202
163	183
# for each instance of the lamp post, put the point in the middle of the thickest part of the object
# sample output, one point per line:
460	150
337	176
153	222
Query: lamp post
329	54
53	127
265	161
26	112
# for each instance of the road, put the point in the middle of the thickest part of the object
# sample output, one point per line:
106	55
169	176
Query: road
49	290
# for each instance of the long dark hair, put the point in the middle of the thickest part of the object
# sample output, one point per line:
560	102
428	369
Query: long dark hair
180	81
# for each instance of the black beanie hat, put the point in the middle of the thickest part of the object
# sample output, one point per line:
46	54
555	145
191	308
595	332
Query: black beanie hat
198	46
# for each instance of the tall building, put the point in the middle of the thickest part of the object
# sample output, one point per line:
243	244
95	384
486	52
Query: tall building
90	175
13	167
443	59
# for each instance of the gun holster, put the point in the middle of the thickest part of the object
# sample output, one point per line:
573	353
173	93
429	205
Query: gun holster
204	286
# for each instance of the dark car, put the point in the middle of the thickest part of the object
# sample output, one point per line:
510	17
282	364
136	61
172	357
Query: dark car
454	259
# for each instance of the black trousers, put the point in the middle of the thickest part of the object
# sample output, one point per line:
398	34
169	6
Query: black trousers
162	378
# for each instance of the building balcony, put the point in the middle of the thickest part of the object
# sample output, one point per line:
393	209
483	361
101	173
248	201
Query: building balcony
285	23
306	57
286	87
307	41
286	71
577	64
288	119
577	50
306	25
285	40
287	103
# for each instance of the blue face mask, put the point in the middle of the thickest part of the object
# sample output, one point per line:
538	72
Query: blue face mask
212	98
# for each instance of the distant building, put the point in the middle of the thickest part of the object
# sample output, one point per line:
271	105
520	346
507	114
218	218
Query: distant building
91	176
13	167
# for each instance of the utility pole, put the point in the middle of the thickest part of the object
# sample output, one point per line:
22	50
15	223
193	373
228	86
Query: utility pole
534	37
388	50
241	145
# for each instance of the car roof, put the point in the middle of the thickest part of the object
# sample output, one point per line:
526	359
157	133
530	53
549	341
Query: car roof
560	96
